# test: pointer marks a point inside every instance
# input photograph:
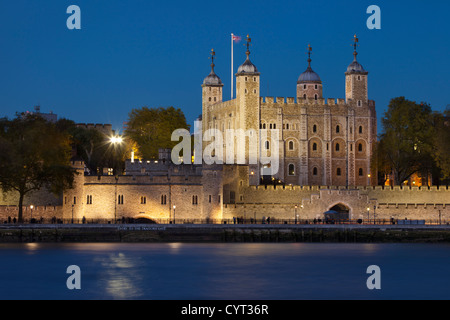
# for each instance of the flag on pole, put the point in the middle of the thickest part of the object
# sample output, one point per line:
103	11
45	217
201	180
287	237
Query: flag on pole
236	38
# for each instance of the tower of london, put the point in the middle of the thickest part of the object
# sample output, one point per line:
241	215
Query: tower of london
321	141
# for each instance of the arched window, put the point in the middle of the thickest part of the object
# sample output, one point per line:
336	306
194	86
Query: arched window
360	147
291	169
267	145
337	129
274	125
360	129
287	126
264	125
359	103
315	171
314	128
314	147
270	127
337	146
215	98
360	172
209	98
291	145
338	171
304	96
315	97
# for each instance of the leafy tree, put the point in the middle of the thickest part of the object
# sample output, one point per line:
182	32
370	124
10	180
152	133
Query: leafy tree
151	129
407	140
97	150
34	154
441	152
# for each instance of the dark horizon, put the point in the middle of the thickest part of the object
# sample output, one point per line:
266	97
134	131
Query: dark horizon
130	55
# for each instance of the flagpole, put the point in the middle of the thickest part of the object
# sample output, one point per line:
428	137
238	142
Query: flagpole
232	66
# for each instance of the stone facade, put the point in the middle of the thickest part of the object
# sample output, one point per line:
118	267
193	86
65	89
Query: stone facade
321	141
324	147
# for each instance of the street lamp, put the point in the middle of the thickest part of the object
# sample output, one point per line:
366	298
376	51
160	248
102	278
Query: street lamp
116	139
31	219
368	216
295	214
72	213
174	207
374	207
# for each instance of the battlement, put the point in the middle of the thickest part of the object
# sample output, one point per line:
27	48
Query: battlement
98	126
158	167
307	101
151	179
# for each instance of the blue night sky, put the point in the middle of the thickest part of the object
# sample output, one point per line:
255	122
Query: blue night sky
130	54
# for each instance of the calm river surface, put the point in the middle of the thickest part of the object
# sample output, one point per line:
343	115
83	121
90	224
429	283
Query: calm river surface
224	271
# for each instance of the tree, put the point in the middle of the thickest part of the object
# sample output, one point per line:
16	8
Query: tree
151	129
34	154
441	152
97	150
406	143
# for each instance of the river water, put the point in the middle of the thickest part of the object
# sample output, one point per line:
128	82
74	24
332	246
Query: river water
247	271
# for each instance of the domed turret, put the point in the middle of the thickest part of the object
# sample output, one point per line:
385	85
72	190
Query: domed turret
247	66
211	91
309	85
212	79
356	67
309	76
356	80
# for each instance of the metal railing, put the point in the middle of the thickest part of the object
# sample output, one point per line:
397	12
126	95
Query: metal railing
232	221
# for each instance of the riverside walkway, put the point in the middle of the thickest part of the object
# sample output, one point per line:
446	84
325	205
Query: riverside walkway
223	233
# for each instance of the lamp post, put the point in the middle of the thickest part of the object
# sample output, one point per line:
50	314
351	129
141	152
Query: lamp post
72	213
31	219
115	199
374	208
115	140
368	216
174	207
295	214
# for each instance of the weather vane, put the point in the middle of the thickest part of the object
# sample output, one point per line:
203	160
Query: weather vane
212	58
354	45
309	54
248	44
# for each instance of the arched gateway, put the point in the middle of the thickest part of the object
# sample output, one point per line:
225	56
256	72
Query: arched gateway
337	212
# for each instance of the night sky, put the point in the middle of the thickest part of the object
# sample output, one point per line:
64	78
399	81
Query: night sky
130	54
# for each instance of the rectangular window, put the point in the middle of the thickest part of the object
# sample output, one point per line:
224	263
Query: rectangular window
89	199
210	198
163	199
120	199
74	200
218	197
143	200
195	200
232	197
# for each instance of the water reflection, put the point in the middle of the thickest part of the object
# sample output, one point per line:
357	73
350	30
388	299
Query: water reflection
120	276
223	271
